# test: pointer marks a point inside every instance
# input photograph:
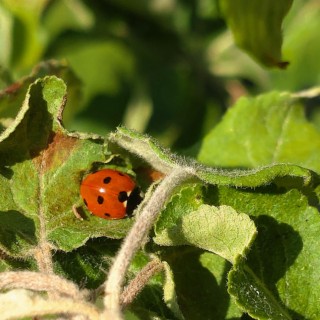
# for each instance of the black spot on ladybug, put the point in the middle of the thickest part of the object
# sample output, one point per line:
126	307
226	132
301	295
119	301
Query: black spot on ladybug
106	180
100	199
107	215
85	202
133	200
122	196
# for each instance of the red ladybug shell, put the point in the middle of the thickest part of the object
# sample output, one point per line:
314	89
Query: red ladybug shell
108	193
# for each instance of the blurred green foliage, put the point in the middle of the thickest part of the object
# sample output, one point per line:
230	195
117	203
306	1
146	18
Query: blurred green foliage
166	67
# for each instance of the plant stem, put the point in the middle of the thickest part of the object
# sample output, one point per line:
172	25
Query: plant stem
38	281
137	235
138	283
34	305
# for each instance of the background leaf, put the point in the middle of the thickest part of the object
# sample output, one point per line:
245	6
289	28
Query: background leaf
274	131
257	27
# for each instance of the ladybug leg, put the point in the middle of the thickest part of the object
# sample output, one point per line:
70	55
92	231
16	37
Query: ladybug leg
76	212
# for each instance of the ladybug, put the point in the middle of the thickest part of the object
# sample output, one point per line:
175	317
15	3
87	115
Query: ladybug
110	194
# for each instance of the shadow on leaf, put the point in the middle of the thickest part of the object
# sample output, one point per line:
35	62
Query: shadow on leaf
274	251
31	132
199	292
16	231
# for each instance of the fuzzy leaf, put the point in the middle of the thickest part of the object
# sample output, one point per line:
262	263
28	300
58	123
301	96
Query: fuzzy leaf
163	160
12	97
39	159
220	230
144	146
257	177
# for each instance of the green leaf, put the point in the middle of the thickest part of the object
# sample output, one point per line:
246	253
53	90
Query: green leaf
143	306
28	39
301	177
220	230
64	15
220	268
88	263
169	293
103	66
198	285
11	98
284	257
144	146
302	25
39	159
256	27
106	69
164	160
252	293
188	198
261	131
5	37
10	264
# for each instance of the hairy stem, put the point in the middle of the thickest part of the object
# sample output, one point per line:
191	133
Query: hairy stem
31	305
139	282
137	235
39	282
